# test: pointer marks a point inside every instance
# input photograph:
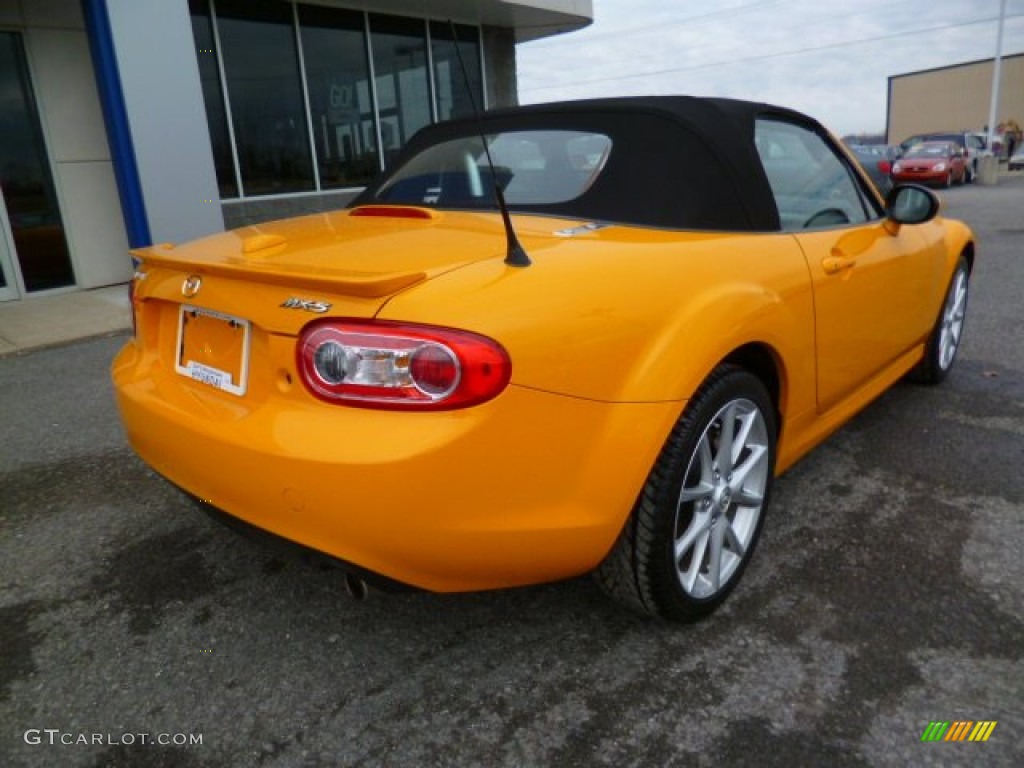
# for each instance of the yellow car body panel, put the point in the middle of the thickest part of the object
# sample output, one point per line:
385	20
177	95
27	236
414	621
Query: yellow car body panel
658	295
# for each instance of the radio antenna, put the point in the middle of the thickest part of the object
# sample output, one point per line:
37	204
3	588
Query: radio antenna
515	256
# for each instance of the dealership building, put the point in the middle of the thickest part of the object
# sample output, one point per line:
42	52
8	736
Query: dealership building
130	122
954	98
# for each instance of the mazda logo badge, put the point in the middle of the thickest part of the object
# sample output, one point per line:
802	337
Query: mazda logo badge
191	286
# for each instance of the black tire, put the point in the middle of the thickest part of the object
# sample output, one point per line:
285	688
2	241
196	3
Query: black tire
944	340
695	494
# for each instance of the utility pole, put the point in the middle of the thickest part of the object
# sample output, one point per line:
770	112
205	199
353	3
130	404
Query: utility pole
997	72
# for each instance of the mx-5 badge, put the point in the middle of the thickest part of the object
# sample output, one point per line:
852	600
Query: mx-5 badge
307	304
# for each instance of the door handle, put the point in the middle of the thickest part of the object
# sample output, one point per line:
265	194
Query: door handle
835	264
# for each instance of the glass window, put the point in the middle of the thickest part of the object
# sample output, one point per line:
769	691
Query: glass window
932	149
25	179
338	76
216	116
264	87
812	185
453	97
532	167
400	68
261	93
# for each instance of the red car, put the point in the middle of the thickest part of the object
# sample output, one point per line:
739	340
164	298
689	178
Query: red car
931	162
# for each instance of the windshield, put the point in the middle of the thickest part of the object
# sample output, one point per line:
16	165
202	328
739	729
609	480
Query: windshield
930	150
539	167
862	150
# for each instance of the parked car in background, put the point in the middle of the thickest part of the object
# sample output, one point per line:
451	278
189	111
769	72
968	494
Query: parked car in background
877	161
555	339
973	145
1016	162
931	162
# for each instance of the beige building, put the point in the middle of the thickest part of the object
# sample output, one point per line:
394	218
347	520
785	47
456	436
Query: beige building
953	98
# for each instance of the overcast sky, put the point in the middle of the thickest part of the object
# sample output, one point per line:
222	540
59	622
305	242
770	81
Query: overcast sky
829	58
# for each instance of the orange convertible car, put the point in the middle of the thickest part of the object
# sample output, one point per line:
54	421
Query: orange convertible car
590	347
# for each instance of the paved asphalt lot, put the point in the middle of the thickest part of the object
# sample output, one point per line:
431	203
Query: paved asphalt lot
888	591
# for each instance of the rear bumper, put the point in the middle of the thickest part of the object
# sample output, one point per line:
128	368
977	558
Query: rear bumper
921	178
527	488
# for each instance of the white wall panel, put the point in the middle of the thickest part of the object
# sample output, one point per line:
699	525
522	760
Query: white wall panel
164	100
66	91
93	223
69	109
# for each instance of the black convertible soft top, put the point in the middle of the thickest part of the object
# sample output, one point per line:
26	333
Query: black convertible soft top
679	161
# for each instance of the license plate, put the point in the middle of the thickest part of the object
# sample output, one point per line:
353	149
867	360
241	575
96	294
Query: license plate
213	348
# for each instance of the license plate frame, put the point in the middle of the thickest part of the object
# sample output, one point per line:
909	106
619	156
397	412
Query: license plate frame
231	335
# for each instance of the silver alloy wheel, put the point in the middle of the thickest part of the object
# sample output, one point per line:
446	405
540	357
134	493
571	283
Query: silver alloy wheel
721	499
953	319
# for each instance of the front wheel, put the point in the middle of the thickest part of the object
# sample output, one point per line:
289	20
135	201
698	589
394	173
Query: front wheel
944	341
697	521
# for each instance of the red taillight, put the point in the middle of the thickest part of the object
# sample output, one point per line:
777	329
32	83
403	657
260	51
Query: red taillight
435	370
379	364
884	166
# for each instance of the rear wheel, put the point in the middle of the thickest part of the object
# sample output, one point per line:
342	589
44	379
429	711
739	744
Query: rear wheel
944	342
697	521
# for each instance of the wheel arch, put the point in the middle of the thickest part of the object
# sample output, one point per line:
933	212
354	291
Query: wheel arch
765	363
759	358
959	240
762	361
968	254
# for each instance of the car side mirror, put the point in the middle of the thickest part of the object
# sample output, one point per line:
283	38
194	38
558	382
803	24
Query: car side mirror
911	204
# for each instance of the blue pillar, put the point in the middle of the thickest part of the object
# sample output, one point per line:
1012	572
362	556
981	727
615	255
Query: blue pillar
115	115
